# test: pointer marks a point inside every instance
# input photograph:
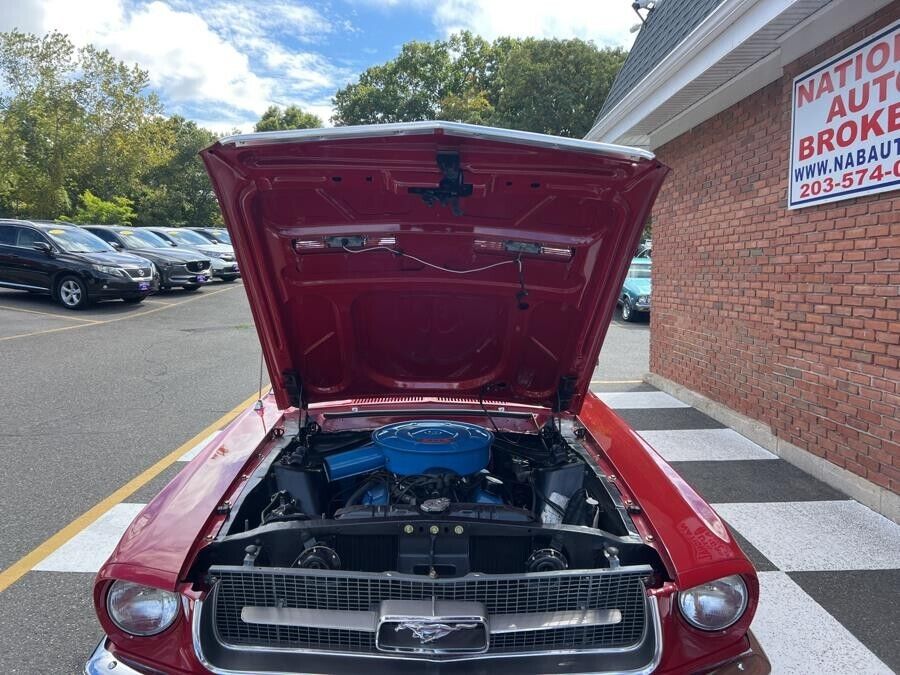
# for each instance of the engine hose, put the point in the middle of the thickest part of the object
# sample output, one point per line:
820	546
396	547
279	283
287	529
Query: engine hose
361	490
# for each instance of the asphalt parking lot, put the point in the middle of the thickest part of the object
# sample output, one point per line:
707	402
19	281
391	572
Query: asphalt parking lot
101	408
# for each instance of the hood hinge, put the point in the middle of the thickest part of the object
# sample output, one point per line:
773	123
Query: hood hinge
565	392
292	385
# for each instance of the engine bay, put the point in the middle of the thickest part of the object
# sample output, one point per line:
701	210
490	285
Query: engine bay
436	497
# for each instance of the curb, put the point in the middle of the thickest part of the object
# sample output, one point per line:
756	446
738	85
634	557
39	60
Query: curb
877	498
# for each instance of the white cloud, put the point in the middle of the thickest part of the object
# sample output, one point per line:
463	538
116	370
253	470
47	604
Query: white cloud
224	56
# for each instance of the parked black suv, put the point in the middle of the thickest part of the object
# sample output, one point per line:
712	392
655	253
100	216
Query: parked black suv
177	266
74	266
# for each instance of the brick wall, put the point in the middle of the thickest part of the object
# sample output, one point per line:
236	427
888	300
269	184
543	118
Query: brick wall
789	317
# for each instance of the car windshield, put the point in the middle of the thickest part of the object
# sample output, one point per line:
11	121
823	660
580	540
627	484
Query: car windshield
76	240
142	239
187	237
639	272
220	236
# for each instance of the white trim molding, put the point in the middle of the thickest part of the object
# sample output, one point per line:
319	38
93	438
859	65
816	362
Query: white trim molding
739	48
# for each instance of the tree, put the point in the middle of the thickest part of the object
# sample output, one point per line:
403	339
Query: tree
117	211
292	117
555	86
552	86
178	192
70	119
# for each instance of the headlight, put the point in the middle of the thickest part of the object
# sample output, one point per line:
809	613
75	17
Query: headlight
109	269
215	254
644	299
714	605
141	610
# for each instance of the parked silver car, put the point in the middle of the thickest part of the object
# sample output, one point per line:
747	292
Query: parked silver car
224	263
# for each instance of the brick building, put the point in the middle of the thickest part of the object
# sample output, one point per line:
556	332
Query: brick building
776	259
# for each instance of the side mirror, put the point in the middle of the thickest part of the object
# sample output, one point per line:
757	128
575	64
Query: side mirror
116	245
42	246
172	243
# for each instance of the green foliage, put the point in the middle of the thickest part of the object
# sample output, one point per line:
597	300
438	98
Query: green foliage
292	117
549	86
555	86
116	211
178	191
79	122
70	119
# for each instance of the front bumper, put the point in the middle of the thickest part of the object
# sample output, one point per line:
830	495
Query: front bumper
179	275
225	269
102	662
117	287
753	661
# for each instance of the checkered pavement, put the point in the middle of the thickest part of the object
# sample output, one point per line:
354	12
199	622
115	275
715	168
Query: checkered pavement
829	567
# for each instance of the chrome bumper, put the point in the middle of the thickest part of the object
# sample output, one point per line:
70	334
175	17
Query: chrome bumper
102	662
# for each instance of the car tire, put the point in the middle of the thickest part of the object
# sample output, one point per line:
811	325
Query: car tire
71	292
134	299
190	288
628	313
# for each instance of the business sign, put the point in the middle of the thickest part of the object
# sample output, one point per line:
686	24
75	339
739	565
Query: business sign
845	124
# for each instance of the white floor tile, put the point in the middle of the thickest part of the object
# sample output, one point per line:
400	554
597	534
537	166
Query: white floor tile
89	549
817	536
691	445
639	399
801	638
193	452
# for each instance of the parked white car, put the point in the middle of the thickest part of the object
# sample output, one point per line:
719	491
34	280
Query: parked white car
224	263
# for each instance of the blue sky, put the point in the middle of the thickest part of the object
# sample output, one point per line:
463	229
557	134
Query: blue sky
222	62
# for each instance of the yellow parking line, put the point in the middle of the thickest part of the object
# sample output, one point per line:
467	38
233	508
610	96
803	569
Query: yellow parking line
101	322
53	314
19	568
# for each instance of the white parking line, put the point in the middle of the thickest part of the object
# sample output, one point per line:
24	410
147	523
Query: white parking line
89	549
639	399
694	445
800	637
817	535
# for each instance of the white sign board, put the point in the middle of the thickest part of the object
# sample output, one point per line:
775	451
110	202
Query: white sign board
845	124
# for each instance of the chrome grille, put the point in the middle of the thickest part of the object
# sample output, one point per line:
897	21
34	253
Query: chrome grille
197	265
237	587
139	273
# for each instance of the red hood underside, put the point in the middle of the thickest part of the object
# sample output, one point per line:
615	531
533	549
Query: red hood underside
335	229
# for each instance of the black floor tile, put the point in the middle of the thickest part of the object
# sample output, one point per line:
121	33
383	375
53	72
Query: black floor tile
653	419
866	602
760	562
754	480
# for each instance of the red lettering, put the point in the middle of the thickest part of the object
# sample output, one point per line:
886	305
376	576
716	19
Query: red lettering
805	93
854	105
826	86
826	141
869	124
881	50
846	133
841	70
893	123
882	83
806	147
837	108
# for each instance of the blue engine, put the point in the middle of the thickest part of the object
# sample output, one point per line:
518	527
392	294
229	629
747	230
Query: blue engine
417	448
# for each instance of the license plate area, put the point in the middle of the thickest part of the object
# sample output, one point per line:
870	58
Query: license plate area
144	286
202	278
432	627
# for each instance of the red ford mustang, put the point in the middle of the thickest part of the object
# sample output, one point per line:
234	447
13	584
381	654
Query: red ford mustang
430	487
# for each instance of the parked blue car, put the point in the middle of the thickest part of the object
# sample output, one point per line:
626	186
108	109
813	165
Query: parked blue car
635	297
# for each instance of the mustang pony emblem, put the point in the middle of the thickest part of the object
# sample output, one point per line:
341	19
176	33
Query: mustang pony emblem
429	631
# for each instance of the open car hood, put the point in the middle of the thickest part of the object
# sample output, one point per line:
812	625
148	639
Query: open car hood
431	258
